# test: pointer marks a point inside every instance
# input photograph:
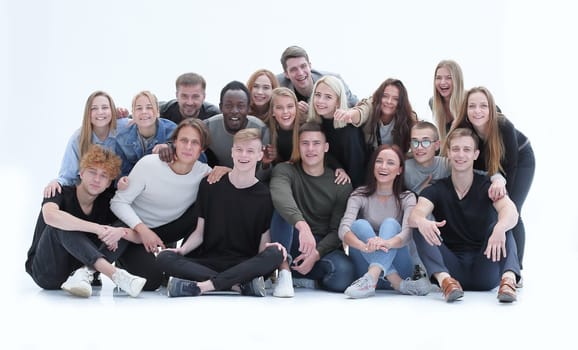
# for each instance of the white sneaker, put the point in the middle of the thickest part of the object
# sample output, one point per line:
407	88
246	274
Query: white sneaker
127	282
79	283
284	286
362	288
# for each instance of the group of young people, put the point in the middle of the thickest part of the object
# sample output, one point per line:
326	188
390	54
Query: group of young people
290	179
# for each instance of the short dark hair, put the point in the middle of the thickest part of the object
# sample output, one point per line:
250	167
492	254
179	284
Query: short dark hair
196	124
235	85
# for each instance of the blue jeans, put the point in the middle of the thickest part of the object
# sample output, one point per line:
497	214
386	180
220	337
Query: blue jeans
333	272
394	261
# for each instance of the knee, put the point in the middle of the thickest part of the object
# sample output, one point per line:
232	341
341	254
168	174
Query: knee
361	225
274	254
341	276
389	227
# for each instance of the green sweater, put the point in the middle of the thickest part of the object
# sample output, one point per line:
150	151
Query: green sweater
317	200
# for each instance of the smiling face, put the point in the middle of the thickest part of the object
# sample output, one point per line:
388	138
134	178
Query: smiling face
299	72
100	112
144	112
190	98
444	83
387	167
389	101
312	149
284	111
235	108
478	110
462	153
246	154
325	100
261	91
419	139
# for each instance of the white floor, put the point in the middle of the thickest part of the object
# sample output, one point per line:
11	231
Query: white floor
36	319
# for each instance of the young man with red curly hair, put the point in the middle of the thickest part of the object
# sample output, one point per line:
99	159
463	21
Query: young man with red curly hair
73	238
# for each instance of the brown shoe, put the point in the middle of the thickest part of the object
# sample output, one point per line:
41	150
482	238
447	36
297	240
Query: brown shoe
452	289
507	290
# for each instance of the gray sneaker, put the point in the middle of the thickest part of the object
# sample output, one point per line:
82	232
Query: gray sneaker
362	288
178	287
127	282
78	283
255	287
421	286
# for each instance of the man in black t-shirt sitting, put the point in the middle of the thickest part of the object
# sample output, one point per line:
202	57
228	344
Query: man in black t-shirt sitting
73	238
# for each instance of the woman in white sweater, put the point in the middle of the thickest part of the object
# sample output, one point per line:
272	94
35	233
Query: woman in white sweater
158	202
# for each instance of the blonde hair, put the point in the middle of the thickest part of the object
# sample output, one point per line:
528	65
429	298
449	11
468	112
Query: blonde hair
440	116
248	134
152	99
337	87
85	139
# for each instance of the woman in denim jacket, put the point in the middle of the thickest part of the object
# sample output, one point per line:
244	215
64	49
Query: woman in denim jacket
99	126
147	134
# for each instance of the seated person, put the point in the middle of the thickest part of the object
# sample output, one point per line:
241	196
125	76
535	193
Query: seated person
235	253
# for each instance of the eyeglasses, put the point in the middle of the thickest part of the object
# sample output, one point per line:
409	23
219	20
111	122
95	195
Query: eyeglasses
424	143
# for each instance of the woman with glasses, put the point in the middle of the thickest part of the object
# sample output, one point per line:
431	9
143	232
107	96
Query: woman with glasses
503	148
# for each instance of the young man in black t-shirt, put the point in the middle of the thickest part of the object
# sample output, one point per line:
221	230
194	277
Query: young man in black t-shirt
73	238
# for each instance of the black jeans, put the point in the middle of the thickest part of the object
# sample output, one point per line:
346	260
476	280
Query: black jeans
138	261
224	274
519	191
60	252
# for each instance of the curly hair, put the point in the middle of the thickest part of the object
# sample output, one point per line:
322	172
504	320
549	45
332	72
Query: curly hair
99	157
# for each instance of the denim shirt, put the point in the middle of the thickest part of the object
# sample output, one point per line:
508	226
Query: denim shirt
70	167
130	149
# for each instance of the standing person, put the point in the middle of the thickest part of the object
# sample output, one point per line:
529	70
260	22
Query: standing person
99	126
73	238
470	238
448	95
346	141
235	100
261	84
234	253
148	134
503	148
375	227
190	101
386	122
308	208
158	202
299	76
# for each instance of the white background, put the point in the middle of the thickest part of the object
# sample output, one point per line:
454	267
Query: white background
55	53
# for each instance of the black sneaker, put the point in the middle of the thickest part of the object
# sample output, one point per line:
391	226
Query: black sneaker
255	287
96	281
178	287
